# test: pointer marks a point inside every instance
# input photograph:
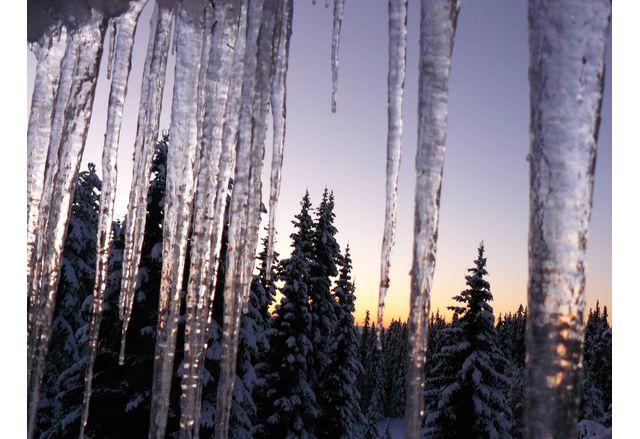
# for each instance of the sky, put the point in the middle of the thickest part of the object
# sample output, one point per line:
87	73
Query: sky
485	189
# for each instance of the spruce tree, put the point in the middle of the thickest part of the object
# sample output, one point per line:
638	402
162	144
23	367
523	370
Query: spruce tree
323	267
366	344
294	408
395	354
76	279
342	416
471	393
375	409
121	394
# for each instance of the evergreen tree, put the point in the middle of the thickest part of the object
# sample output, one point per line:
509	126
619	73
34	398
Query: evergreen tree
595	402
366	345
294	408
121	394
395	355
471	396
342	416
76	279
375	409
322	267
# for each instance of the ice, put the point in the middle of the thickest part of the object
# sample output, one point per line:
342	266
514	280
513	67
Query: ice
207	221
395	95
49	52
181	163
120	66
567	44
235	282
338	12
437	29
279	112
81	69
147	133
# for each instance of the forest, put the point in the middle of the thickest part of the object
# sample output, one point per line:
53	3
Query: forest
304	368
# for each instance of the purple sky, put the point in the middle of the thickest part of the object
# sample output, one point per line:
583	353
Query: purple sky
485	194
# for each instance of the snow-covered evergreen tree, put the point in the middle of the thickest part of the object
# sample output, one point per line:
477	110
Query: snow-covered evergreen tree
595	404
322	269
471	384
395	360
366	344
375	409
342	416
121	394
294	407
76	280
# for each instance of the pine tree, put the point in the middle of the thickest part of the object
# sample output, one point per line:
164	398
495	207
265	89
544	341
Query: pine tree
471	392
325	253
375	409
395	355
76	279
121	394
294	408
366	344
595	402
342	416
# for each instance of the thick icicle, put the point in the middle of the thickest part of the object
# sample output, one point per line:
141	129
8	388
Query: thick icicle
49	51
181	165
153	80
338	12
279	111
395	95
207	214
265	72
120	67
567	44
234	282
437	29
85	60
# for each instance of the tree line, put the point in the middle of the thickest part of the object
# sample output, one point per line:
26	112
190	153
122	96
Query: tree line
304	369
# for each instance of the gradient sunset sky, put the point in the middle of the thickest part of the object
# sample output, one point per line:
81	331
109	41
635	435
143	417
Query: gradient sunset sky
485	193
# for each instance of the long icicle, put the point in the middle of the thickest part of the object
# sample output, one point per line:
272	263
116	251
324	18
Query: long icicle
567	46
437	30
153	80
90	37
227	164
395	95
233	288
181	163
338	12
207	214
279	112
265	74
49	51
120	66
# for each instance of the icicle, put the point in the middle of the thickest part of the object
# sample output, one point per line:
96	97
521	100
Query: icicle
395	95
279	111
146	137
567	44
178	202
338	12
85	60
112	45
437	30
49	51
265	74
204	236
120	62
234	283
